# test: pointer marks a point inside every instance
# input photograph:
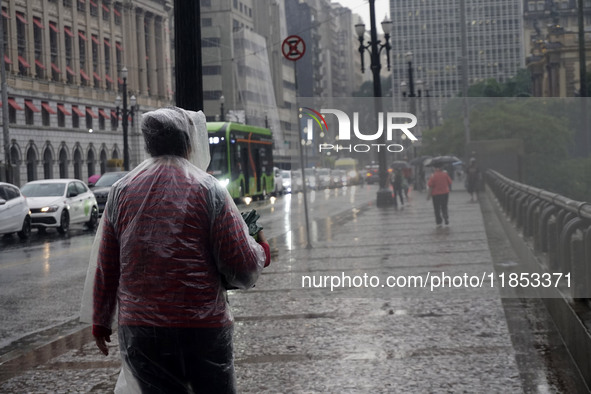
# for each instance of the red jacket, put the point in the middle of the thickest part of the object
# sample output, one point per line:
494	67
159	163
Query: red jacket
167	240
439	183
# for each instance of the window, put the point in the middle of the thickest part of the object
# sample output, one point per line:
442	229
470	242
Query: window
117	13
212	70
68	44
47	164
101	119
114	120
30	110
46	110
53	51
210	42
81	5
11	112
38	42
93	8
106	11
88	118
95	61
63	163
21	42
67	3
108	79
61	115
84	80
75	117
206	22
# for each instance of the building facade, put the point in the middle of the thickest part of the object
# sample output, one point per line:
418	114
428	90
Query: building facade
431	31
63	61
245	77
552	45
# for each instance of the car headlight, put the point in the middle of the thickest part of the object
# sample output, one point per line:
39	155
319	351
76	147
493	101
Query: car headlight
52	208
225	182
352	174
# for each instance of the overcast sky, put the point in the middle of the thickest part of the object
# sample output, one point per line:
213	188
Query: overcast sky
361	7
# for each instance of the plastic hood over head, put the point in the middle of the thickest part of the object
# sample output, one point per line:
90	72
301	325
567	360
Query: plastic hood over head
189	122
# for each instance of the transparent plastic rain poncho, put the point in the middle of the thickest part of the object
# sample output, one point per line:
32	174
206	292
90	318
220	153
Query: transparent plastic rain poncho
179	229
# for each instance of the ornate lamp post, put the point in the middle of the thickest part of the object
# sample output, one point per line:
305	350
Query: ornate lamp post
125	113
375	47
222	117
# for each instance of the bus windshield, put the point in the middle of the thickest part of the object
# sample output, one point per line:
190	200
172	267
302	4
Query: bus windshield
219	159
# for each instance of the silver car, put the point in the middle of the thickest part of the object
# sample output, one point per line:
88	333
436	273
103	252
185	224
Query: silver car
15	216
60	202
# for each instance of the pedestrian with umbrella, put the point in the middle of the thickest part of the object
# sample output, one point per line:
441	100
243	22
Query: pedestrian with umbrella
439	185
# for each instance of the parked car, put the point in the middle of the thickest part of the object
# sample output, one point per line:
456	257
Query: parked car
103	186
286	180
15	216
58	203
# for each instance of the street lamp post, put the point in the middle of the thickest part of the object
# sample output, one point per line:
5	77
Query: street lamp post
222	117
384	196
125	113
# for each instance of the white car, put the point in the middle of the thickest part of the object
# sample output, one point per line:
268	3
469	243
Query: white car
59	203
15	216
286	180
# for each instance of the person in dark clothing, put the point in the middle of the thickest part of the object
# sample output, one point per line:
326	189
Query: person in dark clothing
473	179
397	185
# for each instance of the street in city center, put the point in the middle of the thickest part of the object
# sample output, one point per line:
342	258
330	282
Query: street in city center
290	338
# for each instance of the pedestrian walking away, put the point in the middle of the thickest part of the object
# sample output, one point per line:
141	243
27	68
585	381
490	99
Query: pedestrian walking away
439	185
473	179
398	185
170	242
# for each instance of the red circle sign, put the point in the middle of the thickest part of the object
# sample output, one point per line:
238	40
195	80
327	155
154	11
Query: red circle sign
293	48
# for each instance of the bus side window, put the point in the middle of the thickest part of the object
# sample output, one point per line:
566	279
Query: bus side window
262	161
236	162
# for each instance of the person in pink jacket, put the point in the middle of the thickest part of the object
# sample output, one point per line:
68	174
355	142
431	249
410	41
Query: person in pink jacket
439	185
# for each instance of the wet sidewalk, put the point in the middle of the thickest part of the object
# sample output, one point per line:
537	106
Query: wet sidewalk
298	336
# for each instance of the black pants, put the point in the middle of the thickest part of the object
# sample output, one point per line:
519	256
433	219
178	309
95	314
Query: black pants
179	360
440	207
398	194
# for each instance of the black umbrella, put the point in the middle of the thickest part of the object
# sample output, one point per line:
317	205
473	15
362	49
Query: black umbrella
441	160
400	164
419	160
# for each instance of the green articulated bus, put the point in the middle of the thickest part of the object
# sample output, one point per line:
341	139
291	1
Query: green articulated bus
242	158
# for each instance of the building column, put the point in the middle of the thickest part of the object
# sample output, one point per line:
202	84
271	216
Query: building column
142	72
152	70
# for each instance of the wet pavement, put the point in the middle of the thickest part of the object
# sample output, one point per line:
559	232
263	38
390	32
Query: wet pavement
291	338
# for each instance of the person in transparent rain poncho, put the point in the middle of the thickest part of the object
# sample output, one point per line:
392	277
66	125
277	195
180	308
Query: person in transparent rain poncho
171	239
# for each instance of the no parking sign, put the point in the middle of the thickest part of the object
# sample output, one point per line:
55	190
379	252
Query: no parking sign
293	48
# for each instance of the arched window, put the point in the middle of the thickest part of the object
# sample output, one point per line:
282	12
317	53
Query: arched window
90	163
63	163
77	164
31	164
103	161
47	164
